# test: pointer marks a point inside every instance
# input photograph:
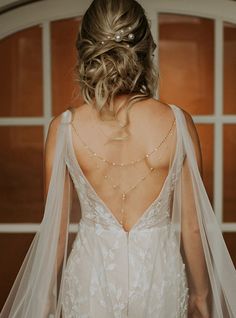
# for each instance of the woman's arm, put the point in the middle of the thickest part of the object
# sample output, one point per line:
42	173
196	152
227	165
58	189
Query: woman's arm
193	253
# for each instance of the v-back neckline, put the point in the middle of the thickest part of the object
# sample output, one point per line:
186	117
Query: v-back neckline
102	202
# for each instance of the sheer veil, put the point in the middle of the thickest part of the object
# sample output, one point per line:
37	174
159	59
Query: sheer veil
198	233
38	287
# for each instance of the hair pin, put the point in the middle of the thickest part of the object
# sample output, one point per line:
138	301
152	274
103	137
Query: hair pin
119	36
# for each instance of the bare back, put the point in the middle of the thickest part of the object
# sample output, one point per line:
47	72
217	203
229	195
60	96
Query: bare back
147	155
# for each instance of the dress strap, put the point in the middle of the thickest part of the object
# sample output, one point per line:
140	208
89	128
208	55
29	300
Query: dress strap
179	138
67	116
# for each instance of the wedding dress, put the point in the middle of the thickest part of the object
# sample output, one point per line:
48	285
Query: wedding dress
113	273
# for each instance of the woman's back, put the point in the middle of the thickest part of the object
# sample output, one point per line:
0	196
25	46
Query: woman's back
152	133
117	270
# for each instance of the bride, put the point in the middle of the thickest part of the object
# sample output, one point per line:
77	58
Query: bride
147	244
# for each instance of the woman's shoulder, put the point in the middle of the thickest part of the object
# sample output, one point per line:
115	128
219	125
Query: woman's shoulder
189	122
155	110
168	110
150	109
157	106
63	117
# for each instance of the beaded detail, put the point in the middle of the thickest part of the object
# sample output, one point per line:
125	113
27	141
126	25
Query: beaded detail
120	36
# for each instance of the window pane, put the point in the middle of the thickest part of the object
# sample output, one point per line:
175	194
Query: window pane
229	184
206	136
64	57
21	73
230	240
11	262
229	68
21	174
186	54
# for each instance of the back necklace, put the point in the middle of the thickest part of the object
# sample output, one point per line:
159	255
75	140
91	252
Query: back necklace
123	165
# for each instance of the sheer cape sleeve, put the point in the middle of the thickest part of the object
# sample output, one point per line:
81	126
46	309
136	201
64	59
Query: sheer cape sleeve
38	286
210	271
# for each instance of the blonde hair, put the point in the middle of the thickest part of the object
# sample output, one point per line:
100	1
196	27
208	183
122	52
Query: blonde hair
112	68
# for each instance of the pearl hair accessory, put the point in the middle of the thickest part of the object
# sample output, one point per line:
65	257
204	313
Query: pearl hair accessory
119	36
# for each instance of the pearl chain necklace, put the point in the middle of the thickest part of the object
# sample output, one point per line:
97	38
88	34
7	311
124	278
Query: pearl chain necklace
119	165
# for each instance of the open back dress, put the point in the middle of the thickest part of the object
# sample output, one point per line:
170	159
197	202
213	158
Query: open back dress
115	273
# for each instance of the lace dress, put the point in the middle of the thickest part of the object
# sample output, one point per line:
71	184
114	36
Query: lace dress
114	273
